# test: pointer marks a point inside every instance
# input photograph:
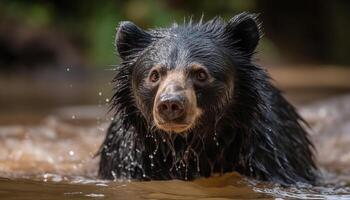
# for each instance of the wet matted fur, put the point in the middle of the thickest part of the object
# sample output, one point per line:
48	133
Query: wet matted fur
246	124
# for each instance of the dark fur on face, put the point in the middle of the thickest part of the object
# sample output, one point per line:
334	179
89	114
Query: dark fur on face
190	102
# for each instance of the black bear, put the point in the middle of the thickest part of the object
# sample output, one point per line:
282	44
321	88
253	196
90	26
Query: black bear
191	102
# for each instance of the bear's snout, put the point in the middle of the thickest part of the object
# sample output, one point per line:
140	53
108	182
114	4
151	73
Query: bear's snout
175	105
171	107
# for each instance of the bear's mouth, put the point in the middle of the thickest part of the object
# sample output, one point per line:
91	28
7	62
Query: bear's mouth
174	127
180	126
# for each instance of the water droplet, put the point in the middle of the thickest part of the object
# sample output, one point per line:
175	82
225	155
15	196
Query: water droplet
73	117
67	69
107	100
251	169
99	93
71	153
114	175
150	156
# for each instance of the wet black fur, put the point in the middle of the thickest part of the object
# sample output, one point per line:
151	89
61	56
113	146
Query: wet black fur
247	126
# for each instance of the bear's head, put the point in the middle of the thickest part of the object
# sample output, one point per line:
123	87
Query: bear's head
184	75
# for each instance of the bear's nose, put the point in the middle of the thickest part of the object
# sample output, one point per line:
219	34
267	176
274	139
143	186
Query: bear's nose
171	107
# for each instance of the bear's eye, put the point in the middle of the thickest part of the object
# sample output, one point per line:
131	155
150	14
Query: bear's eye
201	75
154	77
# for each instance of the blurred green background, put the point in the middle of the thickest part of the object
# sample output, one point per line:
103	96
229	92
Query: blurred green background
60	52
82	33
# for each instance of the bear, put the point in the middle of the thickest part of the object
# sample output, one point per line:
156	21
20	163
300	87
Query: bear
190	102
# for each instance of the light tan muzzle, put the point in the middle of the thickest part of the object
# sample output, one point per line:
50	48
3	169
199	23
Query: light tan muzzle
175	106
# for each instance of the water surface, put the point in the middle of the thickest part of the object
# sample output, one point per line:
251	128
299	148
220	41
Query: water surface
54	158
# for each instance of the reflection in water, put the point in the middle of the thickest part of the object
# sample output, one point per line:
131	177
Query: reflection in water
55	160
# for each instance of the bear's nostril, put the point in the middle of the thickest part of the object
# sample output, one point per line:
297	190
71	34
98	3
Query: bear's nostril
175	107
163	107
170	109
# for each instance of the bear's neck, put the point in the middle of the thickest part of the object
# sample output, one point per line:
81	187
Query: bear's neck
203	151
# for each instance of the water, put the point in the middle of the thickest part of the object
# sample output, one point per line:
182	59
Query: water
55	159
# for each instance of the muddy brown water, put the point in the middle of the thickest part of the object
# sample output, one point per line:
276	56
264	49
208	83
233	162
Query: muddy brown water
54	159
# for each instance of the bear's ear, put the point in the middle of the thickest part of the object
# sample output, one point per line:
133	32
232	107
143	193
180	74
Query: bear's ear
131	39
245	32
